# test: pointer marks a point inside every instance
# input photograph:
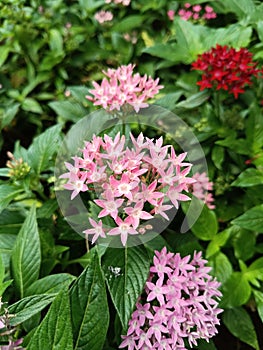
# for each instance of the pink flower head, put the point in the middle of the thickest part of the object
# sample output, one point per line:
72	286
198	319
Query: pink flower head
170	14
123	87
197	8
103	16
181	304
201	187
133	184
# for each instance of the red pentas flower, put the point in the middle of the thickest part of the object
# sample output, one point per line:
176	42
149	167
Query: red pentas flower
225	68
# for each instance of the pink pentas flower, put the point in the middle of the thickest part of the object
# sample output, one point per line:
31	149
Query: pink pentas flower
123	87
129	185
201	188
170	14
103	16
179	304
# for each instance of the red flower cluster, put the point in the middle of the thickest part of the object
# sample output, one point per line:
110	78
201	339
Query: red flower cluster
226	68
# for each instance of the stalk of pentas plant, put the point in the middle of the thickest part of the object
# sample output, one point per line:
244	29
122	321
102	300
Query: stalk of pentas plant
179	305
130	185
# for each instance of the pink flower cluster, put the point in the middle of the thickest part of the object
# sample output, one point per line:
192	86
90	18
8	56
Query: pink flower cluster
103	16
133	183
195	12
117	2
201	187
180	302
123	87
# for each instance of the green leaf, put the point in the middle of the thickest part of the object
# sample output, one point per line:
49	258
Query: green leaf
254	129
47	209
55	331
9	114
188	38
90	315
218	155
26	256
255	272
234	35
242	8
50	284
217	242
249	177
4	54
252	219
259	302
168	52
7	194
28	307
206	226
260	30
91	5
236	291
56	41
244	244
31	105
128	23
221	267
43	148
239	323
127	284
2	270
194	100
72	111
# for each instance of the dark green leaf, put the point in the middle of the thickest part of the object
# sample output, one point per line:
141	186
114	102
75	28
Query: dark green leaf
251	219
242	8
221	267
249	177
194	100
54	332
90	315
43	148
255	272
28	307
68	110
205	226
50	284
127	284
26	256
236	291
239	323
31	105
47	209
244	244
259	302
7	194
128	23
218	155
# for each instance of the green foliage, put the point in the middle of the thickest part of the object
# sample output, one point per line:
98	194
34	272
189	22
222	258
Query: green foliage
26	257
240	325
55	330
89	309
126	286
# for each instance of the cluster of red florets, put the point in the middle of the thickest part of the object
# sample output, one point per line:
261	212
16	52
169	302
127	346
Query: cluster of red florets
226	68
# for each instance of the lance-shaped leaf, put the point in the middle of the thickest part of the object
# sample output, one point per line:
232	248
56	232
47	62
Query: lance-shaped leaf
28	307
89	307
26	255
126	271
43	148
55	331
